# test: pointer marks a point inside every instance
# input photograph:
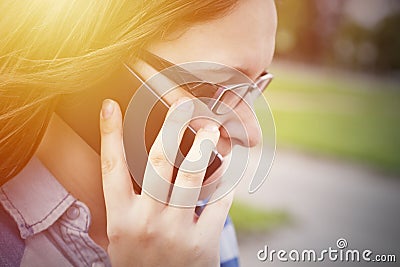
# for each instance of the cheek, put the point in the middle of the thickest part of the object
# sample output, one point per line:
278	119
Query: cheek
254	133
245	126
252	125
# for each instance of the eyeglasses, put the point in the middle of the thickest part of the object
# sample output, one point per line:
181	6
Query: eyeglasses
219	98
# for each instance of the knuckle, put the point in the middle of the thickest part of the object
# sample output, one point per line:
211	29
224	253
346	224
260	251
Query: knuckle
190	177
198	248
114	234
172	239
108	127
146	235
108	165
145	226
157	159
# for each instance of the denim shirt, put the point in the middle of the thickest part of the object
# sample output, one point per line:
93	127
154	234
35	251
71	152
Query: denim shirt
53	226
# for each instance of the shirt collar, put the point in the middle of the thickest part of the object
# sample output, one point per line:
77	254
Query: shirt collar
34	198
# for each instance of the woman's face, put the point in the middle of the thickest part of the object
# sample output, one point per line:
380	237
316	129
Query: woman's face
243	39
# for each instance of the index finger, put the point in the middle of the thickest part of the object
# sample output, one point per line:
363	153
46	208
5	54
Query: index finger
117	184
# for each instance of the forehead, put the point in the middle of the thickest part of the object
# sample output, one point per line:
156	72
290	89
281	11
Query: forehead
244	38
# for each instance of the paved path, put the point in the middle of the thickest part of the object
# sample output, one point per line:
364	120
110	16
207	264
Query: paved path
327	199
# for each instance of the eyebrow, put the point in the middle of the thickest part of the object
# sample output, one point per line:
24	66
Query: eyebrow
222	68
248	73
220	73
243	70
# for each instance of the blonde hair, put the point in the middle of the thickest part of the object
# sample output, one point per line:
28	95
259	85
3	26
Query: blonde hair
49	48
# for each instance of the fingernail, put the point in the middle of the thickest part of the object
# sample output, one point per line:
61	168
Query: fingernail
184	104
211	128
107	109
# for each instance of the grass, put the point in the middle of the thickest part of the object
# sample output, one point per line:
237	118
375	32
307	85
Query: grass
251	219
349	118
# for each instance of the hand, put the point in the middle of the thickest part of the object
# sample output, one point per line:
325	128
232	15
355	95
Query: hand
143	231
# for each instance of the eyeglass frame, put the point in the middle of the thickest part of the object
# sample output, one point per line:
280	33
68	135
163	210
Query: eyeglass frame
152	59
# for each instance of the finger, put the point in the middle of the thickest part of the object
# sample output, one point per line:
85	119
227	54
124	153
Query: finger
117	185
191	173
214	215
162	155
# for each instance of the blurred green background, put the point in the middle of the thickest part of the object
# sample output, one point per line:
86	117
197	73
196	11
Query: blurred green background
336	92
337	89
354	118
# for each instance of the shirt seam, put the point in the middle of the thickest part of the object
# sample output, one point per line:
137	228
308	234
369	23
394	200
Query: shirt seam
52	210
11	206
19	217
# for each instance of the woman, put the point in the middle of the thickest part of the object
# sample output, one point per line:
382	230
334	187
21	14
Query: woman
59	61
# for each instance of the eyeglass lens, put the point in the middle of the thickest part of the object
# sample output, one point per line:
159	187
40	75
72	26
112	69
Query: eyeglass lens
219	99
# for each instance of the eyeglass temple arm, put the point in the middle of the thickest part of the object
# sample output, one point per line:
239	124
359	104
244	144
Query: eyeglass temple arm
169	69
141	80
